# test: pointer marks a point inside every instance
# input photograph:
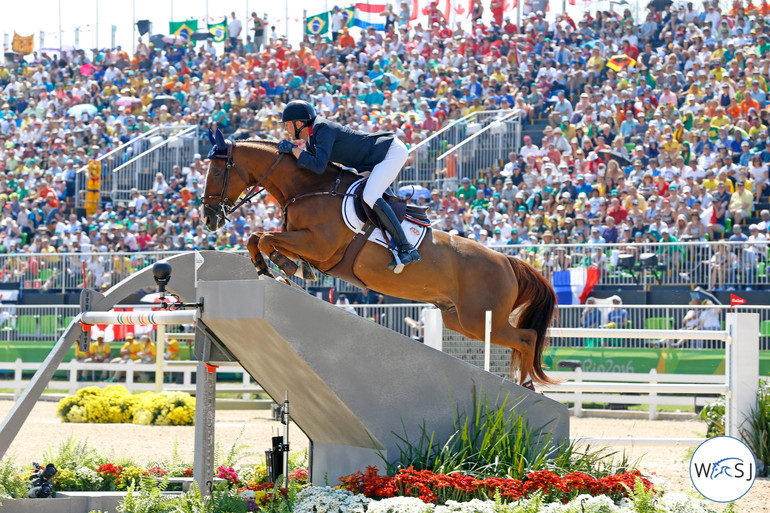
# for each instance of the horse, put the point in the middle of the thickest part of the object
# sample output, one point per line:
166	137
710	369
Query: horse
461	277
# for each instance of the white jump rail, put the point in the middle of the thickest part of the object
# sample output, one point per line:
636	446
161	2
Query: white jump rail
159	318
141	318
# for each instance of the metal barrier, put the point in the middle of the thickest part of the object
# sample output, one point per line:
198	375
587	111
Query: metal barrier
694	263
486	149
493	134
140	172
111	160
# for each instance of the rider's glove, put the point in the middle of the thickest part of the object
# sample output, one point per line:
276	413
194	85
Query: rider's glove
285	146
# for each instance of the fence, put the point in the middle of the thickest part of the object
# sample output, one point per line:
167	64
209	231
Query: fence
80	374
177	148
696	397
712	265
113	159
739	385
494	135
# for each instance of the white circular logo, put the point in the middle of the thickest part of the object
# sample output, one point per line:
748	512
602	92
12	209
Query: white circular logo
723	469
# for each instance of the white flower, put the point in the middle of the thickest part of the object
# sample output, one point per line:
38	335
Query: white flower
401	505
88	475
324	499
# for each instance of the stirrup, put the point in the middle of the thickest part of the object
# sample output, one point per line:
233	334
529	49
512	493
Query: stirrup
396	265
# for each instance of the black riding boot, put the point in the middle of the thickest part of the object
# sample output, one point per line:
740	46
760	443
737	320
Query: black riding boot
406	252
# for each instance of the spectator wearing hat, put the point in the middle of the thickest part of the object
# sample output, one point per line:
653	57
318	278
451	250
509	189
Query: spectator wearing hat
466	190
99	351
741	203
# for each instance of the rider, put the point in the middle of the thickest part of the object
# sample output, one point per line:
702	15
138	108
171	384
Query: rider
381	153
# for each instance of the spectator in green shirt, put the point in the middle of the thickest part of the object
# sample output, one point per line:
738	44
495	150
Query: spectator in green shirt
467	190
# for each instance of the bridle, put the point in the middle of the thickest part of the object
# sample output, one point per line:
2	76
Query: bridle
224	206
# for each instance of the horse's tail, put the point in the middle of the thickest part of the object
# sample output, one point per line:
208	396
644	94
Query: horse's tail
537	301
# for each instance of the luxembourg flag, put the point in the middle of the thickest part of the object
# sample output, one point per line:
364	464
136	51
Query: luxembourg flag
368	15
573	286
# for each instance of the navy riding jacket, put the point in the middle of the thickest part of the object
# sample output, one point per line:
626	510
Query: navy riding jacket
332	142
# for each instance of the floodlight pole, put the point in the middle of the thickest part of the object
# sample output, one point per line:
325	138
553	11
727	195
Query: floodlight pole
60	43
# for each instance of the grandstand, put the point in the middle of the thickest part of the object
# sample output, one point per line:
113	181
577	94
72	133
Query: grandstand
636	147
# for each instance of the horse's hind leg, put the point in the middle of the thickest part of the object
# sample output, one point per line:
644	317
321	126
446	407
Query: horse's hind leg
470	322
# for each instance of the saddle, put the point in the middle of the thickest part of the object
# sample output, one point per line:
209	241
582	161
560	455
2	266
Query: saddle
414	213
403	210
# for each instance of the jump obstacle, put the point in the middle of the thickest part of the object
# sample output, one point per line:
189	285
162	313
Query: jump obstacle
355	387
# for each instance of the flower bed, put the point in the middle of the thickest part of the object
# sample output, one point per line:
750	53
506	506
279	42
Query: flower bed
115	404
431	487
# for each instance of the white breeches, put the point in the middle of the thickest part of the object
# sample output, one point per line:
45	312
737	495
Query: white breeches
385	172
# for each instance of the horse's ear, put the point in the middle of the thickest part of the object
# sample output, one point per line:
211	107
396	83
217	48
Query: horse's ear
211	138
220	140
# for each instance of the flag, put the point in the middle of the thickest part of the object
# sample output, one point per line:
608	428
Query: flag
23	44
457	11
143	26
182	28
618	62
348	13
317	24
368	15
573	286
736	300
219	30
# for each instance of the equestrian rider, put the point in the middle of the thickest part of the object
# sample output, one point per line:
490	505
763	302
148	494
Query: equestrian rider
381	153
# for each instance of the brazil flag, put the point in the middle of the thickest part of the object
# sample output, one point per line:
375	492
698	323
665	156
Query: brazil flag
219	30
318	24
347	14
182	28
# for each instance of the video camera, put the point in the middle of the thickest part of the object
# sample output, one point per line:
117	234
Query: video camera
40	485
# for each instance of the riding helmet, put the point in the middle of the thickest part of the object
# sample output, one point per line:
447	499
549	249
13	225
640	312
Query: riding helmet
298	110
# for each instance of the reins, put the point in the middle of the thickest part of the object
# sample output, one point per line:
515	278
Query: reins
227	206
334	192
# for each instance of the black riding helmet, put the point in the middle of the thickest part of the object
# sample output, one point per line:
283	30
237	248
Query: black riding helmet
299	110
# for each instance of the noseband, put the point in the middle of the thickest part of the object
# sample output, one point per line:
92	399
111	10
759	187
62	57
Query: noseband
224	206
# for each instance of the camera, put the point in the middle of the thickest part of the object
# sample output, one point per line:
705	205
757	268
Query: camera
161	273
40	485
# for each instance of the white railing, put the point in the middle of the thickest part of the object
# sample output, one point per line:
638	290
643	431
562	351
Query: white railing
140	172
81	374
494	140
485	150
111	160
692	264
578	387
739	384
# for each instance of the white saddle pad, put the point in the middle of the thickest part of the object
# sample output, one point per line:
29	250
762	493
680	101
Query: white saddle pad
415	233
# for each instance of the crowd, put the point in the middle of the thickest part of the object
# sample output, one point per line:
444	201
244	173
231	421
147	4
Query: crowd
657	128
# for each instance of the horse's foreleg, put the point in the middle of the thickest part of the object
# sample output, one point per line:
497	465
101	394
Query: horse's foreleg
256	255
277	244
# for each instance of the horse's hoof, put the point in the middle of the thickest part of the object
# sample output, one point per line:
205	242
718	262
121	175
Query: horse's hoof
529	385
284	280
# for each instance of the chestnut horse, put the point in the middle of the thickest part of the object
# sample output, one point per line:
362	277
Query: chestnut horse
459	276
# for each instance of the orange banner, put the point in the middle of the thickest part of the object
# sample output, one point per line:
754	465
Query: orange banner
22	44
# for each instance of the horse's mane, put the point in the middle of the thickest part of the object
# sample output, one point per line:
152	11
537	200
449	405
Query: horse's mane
273	147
